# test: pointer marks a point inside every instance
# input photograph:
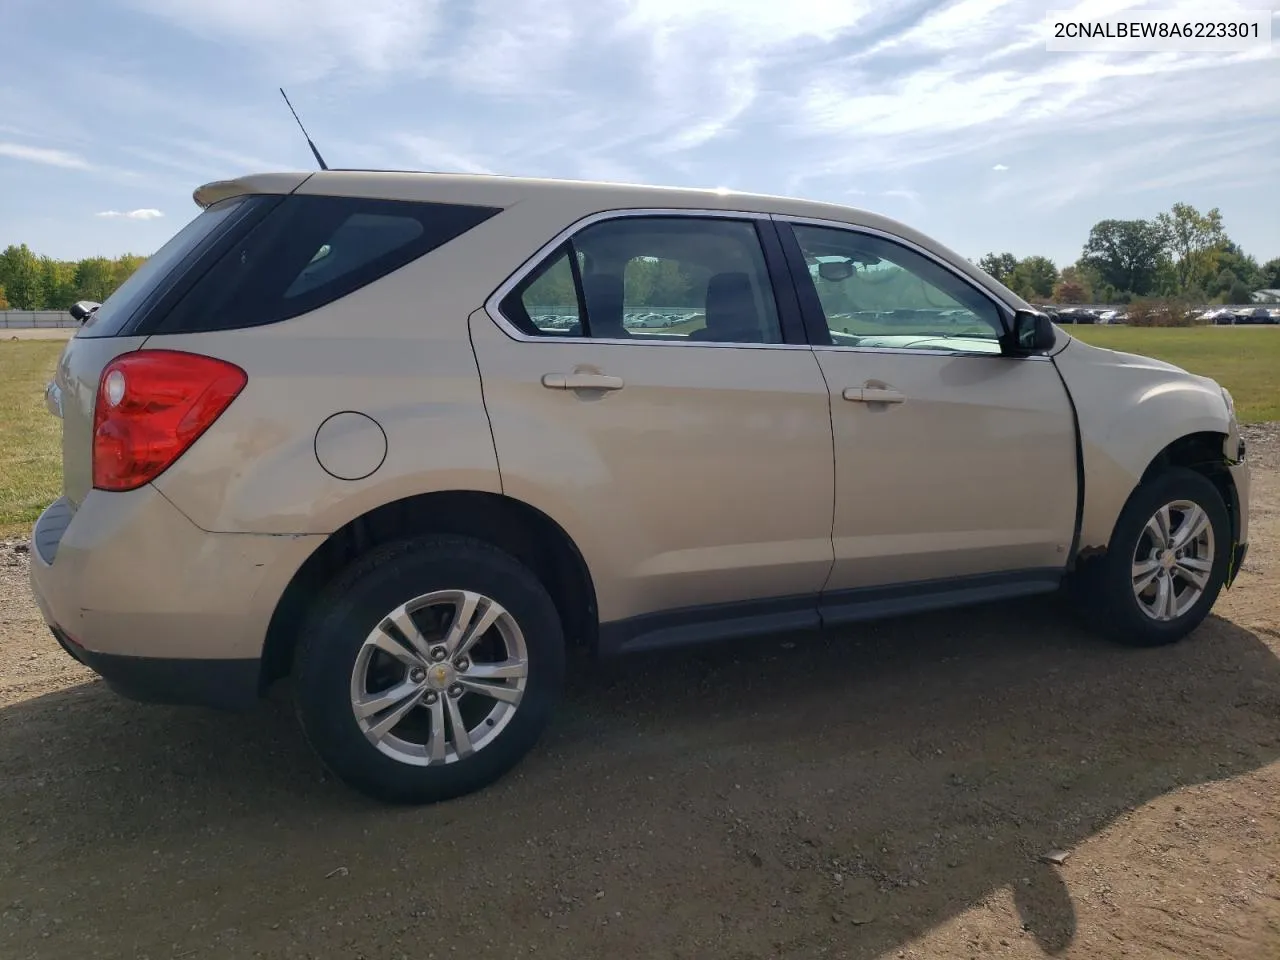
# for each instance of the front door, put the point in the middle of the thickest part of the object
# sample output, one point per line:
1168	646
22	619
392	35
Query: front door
649	393
951	460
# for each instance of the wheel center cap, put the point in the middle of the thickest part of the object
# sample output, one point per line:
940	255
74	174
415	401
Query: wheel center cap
440	676
1167	559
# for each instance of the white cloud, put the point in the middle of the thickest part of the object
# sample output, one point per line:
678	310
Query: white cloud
917	98
314	36
517	48
52	158
436	155
147	213
1000	168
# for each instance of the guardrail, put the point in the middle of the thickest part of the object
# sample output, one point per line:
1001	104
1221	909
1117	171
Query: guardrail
35	319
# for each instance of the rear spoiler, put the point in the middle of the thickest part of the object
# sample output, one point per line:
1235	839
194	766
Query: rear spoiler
273	183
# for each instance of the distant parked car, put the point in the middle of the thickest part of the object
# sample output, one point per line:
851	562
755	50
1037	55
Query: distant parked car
1077	315
1254	315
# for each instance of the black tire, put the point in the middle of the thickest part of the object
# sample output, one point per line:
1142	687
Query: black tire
352	607
1105	589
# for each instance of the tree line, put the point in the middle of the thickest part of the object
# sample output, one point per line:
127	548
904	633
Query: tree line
1181	253
31	282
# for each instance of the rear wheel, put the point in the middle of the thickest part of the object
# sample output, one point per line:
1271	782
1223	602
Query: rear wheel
1166	562
429	669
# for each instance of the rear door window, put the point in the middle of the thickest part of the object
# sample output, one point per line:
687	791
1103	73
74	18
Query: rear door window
654	277
310	251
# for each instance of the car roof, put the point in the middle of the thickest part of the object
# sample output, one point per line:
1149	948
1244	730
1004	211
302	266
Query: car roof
505	191
571	200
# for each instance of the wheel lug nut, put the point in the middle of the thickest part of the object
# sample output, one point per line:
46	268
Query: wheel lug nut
417	674
431	697
438	654
463	663
455	691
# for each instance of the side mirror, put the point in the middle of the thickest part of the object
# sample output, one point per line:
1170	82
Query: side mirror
83	310
1032	332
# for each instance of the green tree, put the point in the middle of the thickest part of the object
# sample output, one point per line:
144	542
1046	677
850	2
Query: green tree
123	269
1238	294
1230	257
638	278
59	279
1224	281
999	265
4	303
1073	287
1269	275
95	279
1166	282
672	287
1033	278
1127	254
1191	239
20	276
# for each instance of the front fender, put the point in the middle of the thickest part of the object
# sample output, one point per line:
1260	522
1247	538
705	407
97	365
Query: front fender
1130	408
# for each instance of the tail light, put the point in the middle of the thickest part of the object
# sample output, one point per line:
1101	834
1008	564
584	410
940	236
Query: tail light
151	406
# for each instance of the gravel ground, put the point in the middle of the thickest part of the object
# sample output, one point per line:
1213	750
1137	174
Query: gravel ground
884	792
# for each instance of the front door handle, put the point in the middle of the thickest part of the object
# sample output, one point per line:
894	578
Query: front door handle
873	395
581	381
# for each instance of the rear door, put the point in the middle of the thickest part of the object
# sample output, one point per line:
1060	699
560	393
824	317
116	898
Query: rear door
649	389
952	460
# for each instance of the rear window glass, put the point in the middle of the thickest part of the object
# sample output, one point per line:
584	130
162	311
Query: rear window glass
160	269
310	251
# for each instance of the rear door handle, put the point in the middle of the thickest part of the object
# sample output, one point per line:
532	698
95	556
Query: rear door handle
873	395
581	381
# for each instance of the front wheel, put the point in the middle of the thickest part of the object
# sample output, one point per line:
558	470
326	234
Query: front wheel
429	669
1166	562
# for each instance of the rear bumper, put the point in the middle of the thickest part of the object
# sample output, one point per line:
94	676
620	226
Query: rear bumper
162	610
223	684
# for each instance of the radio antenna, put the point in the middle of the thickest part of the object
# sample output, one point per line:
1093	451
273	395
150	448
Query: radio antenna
314	151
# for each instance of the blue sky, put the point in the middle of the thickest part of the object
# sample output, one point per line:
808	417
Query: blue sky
948	115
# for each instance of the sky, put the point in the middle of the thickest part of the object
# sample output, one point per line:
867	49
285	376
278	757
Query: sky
949	115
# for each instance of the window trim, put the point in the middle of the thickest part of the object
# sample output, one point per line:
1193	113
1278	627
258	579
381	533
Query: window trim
790	316
815	318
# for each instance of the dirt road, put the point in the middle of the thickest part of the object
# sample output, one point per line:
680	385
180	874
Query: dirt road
881	793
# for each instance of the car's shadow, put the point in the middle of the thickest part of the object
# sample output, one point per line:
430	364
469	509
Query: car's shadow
794	793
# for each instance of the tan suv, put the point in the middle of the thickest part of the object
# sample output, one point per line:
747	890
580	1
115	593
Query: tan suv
406	437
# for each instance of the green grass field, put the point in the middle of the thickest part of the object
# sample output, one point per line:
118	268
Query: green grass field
1246	361
30	461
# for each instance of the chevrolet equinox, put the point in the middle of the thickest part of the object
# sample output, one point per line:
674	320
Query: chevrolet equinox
406	437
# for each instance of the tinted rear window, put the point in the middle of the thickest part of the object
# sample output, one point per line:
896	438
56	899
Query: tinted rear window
309	251
162	268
